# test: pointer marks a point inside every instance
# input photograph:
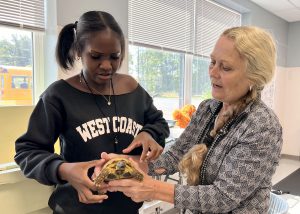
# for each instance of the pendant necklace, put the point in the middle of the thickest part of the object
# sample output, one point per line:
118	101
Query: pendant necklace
108	102
110	87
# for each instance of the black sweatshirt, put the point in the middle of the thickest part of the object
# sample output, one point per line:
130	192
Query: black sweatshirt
86	126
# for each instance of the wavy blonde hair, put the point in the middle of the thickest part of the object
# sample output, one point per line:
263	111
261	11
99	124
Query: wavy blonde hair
257	47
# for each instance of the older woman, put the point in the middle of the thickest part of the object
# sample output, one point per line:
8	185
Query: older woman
232	145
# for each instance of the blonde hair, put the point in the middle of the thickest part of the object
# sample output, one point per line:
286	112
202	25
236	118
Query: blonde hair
257	47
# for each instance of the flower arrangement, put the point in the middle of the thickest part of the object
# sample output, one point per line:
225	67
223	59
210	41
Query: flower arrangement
183	115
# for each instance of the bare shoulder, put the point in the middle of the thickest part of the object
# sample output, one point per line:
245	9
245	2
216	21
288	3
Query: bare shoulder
74	81
124	83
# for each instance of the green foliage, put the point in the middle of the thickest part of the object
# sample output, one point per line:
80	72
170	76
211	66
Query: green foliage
17	51
161	73
158	71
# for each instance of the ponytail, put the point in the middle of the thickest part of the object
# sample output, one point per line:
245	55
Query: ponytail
65	48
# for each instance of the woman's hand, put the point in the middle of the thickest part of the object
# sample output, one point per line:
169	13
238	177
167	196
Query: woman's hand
76	175
151	149
136	190
142	165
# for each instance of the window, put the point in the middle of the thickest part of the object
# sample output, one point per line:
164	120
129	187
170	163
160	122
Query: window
161	73
20	25
16	66
169	46
201	88
21	52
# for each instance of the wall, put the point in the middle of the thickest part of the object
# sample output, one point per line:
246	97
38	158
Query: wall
293	58
76	7
22	196
13	122
291	105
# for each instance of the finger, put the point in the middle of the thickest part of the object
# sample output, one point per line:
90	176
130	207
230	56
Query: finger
144	153
132	146
98	169
103	155
90	198
79	197
153	155
159	151
102	190
89	184
112	189
93	163
128	194
109	156
119	184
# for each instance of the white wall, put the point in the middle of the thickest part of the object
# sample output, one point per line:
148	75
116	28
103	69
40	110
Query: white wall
118	8
287	106
293	59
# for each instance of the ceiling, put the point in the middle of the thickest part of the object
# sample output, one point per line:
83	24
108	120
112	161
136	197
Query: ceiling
288	10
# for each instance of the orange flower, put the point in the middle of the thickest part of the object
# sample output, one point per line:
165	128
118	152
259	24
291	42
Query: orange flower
188	109
183	115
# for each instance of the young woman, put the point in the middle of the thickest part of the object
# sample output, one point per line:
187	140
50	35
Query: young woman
97	111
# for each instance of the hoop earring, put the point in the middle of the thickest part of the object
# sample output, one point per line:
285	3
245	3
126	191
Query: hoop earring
250	88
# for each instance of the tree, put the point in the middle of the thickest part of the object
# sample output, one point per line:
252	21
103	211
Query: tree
159	72
16	51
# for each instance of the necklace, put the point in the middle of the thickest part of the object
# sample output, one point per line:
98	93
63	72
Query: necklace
110	87
99	107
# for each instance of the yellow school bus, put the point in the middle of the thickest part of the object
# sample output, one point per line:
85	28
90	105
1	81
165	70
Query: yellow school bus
15	85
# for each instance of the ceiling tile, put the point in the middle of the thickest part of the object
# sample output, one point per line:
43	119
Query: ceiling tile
292	15
296	3
288	10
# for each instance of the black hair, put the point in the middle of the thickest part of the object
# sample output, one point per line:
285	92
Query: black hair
72	38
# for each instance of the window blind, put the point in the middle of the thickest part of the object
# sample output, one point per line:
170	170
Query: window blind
211	20
26	14
190	26
167	24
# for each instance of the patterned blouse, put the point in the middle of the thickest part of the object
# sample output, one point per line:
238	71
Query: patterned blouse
236	173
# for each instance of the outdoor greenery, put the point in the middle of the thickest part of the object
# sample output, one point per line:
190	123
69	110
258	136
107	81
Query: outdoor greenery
161	72
158	71
16	51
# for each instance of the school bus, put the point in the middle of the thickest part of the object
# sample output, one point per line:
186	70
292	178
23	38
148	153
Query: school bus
15	85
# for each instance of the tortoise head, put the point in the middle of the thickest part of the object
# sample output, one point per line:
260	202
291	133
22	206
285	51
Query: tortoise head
120	167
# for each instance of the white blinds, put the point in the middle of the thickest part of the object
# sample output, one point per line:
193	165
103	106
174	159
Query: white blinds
162	23
27	14
211	20
190	26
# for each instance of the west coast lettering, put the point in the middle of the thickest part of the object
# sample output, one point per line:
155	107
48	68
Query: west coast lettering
105	125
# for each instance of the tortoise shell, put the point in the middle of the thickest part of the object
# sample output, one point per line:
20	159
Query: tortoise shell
117	168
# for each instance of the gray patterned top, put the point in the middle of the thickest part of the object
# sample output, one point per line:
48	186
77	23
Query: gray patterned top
237	171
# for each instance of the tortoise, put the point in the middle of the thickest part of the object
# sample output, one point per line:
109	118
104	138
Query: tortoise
117	168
